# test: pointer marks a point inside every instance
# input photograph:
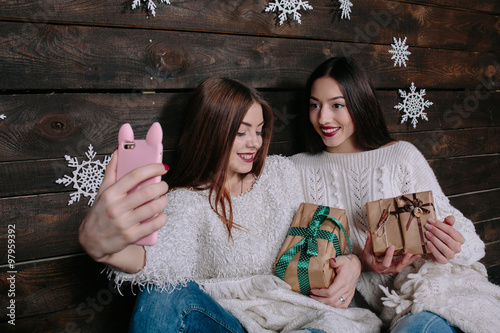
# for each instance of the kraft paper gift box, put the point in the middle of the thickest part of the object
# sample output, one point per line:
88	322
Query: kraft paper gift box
317	234
400	221
384	226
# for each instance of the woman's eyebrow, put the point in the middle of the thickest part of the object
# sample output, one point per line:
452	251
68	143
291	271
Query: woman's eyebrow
330	99
249	125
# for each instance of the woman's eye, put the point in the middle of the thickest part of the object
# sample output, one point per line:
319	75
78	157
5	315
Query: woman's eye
261	133
338	106
240	133
313	105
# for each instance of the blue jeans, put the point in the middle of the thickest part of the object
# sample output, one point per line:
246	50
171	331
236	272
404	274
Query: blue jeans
423	322
188	309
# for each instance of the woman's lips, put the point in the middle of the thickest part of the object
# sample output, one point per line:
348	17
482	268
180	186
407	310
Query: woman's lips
329	131
246	157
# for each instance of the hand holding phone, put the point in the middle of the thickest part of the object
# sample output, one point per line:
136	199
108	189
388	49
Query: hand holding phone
136	153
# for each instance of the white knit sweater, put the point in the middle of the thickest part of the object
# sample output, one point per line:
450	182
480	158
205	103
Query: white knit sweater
194	246
458	291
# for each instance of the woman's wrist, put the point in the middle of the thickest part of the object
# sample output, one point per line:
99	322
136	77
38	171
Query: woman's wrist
132	259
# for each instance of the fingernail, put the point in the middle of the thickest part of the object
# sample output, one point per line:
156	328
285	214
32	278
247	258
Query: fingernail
335	261
428	226
428	234
431	220
166	167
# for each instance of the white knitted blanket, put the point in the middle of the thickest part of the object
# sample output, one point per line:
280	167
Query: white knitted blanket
265	303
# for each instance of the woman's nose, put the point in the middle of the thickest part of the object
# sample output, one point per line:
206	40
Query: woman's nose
254	141
323	116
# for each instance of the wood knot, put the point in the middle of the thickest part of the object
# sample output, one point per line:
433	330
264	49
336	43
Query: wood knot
490	71
172	59
171	63
57	126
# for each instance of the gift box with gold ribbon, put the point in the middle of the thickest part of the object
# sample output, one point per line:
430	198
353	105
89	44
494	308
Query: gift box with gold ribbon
400	221
317	234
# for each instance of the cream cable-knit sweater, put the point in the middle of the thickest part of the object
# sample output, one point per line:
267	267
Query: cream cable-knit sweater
458	291
194	246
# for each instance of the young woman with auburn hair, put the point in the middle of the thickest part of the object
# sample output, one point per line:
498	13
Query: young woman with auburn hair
229	210
352	160
214	117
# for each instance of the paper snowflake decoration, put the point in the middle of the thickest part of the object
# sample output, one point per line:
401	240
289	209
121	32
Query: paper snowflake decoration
399	52
413	105
2	116
87	176
287	7
345	7
150	5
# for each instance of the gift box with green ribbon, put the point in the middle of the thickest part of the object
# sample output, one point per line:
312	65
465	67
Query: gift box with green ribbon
400	221
317	234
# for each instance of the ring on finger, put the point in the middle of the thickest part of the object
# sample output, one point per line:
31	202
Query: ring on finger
342	300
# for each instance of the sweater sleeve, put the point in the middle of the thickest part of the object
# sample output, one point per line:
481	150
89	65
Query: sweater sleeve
172	261
423	178
288	176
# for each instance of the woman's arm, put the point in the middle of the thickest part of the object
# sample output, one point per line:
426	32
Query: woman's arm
112	225
452	236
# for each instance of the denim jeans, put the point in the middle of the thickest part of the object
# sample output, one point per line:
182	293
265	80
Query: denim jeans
188	309
423	322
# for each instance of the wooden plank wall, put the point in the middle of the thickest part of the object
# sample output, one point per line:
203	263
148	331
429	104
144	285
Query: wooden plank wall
72	71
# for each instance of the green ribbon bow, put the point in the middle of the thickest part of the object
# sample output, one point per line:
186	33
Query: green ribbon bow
308	246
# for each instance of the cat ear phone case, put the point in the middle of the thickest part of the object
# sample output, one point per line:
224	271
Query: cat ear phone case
136	153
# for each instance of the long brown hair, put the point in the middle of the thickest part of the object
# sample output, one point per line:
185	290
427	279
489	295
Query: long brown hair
370	129
213	117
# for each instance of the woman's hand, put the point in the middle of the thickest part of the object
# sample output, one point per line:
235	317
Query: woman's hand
444	240
113	222
387	264
341	291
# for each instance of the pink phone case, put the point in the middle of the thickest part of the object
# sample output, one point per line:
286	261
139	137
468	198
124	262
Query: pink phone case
136	153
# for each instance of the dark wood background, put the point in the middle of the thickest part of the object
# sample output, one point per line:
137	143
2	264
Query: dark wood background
72	71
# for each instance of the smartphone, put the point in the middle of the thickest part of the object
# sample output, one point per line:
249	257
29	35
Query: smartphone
136	153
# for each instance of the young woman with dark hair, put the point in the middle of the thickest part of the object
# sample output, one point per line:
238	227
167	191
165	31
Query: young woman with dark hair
352	160
364	108
229	211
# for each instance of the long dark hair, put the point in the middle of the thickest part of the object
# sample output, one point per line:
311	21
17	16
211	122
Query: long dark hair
213	116
370	129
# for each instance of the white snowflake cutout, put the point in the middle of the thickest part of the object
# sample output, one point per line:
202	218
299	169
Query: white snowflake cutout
150	5
3	116
345	7
413	105
399	51
87	176
288	7
394	300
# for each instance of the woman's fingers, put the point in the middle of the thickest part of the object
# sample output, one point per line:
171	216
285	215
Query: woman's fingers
109	174
341	291
149	209
142	196
444	240
114	221
139	175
